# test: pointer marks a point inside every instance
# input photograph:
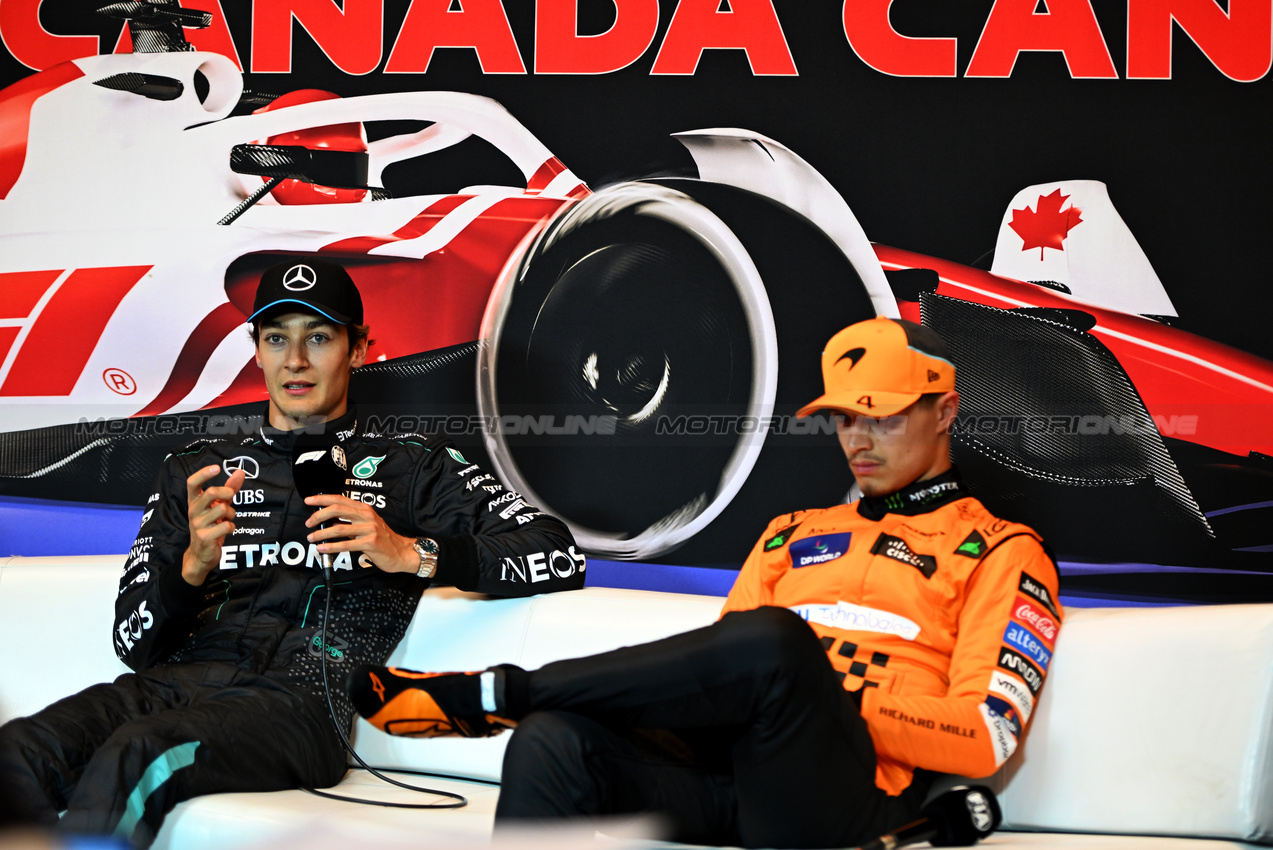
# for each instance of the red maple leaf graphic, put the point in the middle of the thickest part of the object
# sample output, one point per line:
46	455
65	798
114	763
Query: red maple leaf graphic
1048	226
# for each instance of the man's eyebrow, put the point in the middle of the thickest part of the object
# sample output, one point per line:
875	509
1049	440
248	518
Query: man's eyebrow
310	325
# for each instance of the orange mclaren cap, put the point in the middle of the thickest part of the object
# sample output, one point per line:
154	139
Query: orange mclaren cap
881	366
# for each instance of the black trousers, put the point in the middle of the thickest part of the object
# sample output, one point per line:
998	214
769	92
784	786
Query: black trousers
117	757
737	733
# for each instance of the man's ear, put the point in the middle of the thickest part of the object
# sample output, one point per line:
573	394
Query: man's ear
255	335
947	410
358	356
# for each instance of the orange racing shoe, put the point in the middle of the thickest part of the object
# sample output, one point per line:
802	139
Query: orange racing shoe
411	704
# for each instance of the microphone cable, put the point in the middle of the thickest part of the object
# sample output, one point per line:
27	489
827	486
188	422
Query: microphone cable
455	801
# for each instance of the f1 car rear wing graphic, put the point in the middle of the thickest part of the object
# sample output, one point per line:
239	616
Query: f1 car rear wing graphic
1068	235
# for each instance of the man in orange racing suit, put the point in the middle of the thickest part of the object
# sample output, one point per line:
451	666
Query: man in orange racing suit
938	619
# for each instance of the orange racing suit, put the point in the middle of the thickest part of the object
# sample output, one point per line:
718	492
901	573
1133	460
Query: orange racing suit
943	616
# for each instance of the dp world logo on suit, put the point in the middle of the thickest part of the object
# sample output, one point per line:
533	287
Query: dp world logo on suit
819	549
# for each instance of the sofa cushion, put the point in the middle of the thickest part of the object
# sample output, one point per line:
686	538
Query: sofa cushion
1155	721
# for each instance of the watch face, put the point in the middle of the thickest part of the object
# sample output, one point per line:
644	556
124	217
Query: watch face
426	546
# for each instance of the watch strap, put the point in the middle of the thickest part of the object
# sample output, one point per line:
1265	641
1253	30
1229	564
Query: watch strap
427	549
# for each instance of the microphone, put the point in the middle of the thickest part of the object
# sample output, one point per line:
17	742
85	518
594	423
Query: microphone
319	467
958	818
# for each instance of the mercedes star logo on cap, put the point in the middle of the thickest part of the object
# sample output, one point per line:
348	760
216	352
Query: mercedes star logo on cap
299	278
243	462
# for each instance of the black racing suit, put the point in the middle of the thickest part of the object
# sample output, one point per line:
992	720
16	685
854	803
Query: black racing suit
228	693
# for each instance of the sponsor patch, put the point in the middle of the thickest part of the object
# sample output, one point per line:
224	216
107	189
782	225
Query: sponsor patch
456	456
250	497
508	496
979	808
139	553
820	549
1034	589
902	717
913	530
896	548
512	509
1018	636
128	630
477	480
1014	691
376	500
859	618
1039	620
366	467
956	729
931	494
1008	712
292	553
781	537
249	466
541	566
973	546
1002	742
1015	662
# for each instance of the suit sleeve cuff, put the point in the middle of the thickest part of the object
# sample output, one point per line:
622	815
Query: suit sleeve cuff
178	595
457	562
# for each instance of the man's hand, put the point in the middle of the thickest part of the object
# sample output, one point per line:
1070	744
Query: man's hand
211	515
365	530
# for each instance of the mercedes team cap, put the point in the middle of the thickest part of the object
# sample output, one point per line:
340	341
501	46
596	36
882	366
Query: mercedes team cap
319	285
881	366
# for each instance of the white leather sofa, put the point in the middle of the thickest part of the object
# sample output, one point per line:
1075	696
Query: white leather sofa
1155	728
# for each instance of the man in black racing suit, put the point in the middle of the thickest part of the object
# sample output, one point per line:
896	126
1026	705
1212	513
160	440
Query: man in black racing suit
228	693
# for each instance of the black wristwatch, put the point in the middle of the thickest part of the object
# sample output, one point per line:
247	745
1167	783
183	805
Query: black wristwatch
427	549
